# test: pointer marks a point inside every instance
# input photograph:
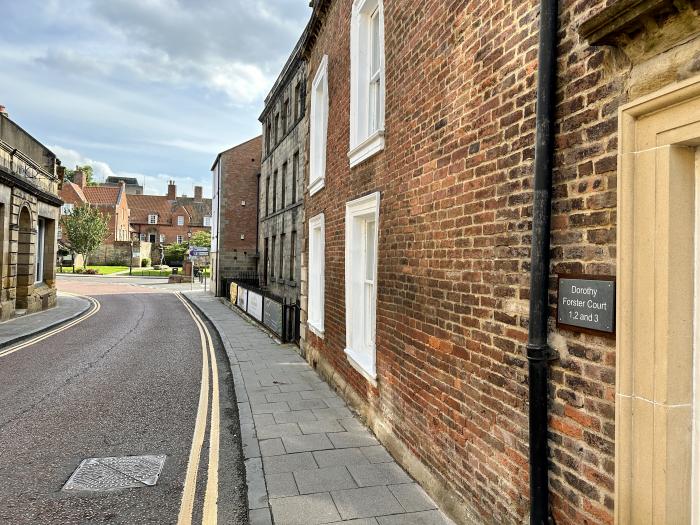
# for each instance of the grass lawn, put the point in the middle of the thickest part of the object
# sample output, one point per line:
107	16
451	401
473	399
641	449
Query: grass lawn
102	270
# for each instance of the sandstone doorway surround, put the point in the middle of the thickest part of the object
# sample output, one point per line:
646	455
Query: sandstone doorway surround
657	264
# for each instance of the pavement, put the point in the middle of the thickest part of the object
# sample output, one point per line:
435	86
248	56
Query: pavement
123	382
68	307
308	458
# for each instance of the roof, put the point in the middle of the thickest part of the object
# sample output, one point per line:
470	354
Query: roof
129	181
71	192
142	206
102	194
216	161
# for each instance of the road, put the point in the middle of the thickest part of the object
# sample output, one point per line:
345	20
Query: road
135	378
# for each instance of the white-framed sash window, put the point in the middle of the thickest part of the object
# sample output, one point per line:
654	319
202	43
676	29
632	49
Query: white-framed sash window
316	285
153	219
361	244
180	220
367	83
319	127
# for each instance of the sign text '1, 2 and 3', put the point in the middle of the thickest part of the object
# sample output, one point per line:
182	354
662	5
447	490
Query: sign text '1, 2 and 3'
587	303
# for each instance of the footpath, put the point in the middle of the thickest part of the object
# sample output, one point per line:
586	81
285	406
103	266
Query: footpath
308	459
68	307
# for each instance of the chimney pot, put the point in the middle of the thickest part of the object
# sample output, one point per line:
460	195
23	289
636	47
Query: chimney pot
3	111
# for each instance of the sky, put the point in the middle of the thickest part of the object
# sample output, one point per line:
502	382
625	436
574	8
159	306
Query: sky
146	88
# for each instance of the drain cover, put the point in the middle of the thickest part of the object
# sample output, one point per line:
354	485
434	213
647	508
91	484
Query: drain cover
116	473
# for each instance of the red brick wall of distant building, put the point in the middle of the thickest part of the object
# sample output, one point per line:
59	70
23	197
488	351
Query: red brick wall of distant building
454	246
240	168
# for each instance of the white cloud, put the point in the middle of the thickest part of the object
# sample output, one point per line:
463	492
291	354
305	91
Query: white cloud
153	184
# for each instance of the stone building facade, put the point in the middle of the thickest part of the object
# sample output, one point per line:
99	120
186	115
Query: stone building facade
29	214
280	202
418	214
234	229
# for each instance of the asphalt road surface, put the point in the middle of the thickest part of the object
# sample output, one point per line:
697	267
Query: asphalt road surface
126	381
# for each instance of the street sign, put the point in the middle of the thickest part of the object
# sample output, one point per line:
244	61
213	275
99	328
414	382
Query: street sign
587	303
199	251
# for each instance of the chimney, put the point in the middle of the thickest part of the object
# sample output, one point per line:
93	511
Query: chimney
198	194
172	191
79	178
3	111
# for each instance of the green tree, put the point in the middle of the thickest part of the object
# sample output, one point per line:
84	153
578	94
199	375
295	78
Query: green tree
87	170
174	253
202	238
86	227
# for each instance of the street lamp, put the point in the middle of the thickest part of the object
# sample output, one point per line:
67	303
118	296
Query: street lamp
134	239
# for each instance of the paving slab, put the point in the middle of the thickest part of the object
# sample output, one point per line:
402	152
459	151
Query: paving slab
309	459
312	509
366	502
324	479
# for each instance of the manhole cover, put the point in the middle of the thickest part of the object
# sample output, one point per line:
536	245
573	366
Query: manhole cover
116	473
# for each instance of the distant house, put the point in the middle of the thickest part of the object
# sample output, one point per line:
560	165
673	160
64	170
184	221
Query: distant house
132	184
167	219
29	212
236	172
112	201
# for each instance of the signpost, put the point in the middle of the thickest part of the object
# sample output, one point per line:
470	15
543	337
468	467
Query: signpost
586	303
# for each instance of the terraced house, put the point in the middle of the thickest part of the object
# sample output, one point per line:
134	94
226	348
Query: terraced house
501	248
29	213
280	202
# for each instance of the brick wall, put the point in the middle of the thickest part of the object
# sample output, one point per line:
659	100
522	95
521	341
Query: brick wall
238	209
455	181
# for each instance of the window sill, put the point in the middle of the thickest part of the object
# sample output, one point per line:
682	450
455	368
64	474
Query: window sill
370	376
317	331
368	147
317	185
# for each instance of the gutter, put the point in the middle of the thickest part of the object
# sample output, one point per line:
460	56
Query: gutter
538	352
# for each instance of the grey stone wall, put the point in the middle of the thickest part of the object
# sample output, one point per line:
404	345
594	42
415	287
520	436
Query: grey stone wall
281	209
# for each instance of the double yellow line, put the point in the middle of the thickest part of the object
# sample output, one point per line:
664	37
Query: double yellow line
211	494
45	335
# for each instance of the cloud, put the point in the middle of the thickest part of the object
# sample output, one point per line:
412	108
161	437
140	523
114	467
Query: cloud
153	184
151	87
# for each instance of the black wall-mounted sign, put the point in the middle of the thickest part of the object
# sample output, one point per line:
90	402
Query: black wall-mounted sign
586	303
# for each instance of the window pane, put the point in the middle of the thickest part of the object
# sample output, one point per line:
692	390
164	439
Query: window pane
369	250
374	43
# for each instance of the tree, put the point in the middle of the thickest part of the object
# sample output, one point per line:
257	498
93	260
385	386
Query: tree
87	170
174	253
86	227
202	238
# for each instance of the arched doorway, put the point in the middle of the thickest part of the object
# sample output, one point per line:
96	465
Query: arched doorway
25	268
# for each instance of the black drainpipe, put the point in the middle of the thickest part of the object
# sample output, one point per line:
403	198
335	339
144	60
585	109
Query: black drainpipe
537	348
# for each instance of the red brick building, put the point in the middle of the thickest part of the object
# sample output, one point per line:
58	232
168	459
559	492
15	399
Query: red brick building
167	219
235	176
418	218
112	202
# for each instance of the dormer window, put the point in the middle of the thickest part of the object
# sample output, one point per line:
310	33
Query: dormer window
152	218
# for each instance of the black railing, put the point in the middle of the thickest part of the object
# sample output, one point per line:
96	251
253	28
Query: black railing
274	312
